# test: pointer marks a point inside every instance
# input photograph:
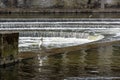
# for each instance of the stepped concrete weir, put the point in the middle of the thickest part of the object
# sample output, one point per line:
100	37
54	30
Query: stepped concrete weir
44	34
8	48
57	24
62	49
42	26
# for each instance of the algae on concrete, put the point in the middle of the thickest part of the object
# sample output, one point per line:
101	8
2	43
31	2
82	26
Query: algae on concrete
8	46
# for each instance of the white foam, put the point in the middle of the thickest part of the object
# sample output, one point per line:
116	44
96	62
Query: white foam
53	42
117	35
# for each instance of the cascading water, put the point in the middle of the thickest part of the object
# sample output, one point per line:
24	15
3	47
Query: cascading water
58	32
64	24
57	25
40	34
54	39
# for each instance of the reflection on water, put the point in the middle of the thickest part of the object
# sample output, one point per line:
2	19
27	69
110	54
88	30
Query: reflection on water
62	15
98	62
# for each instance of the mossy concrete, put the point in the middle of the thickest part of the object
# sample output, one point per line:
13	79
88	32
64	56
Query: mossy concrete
8	48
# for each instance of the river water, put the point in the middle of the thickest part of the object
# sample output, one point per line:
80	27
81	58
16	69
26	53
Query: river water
62	15
102	63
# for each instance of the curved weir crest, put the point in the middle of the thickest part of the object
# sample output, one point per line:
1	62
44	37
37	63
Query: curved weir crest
54	42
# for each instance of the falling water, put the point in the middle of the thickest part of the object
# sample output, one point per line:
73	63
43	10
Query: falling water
57	24
37	34
50	29
64	34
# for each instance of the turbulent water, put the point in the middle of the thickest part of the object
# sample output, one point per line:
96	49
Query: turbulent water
57	24
35	43
57	32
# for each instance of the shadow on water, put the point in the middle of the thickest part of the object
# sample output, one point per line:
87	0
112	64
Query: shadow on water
97	62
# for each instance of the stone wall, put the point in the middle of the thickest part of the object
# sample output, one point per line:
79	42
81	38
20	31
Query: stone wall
43	3
57	3
113	3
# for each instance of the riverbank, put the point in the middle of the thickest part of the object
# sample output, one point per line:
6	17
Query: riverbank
28	11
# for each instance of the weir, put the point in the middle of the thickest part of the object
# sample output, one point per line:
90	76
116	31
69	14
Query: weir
63	27
60	28
57	24
40	39
64	34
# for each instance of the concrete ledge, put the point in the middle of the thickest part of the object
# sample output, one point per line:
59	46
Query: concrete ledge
79	47
8	48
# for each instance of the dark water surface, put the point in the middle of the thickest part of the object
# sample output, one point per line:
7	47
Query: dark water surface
98	62
62	15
